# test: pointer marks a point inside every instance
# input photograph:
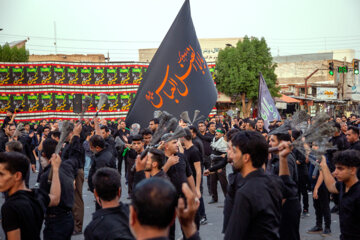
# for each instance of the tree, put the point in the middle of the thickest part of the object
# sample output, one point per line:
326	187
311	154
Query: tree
237	71
14	54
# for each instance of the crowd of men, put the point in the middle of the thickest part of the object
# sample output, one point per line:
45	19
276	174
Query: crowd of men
262	193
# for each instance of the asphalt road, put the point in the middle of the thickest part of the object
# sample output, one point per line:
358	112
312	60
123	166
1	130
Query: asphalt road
210	231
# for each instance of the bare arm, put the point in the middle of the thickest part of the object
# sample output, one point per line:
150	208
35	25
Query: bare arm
55	190
97	126
328	178
198	178
191	183
317	185
14	234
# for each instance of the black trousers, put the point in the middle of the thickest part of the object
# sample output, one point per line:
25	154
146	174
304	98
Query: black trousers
207	163
290	219
322	207
59	227
221	177
302	187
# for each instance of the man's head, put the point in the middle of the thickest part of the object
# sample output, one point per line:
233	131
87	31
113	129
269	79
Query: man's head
27	127
250	125
156	159
10	112
353	118
170	146
154	201
276	139
55	135
188	136
344	127
49	146
46	130
220	132
153	124
105	132
97	143
137	143
122	124
14	146
147	136
43	123
10	130
248	150
344	119
107	185
202	127
217	118
14	167
346	164
338	120
212	127
134	129
352	134
193	131
260	124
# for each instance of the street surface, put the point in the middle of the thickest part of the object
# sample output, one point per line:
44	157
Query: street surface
214	212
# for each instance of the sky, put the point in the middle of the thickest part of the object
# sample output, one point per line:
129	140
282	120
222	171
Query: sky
121	27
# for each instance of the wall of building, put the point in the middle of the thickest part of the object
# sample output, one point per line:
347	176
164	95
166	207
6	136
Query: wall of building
67	58
210	48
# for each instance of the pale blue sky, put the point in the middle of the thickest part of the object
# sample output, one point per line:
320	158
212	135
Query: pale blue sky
290	27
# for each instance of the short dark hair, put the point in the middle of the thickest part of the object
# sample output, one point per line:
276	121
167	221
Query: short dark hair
56	134
348	158
282	136
106	183
251	123
259	119
231	133
49	146
105	128
194	129
354	129
146	131
253	143
97	141
211	123
87	133
188	135
14	146
15	162
296	133
154	201
158	156
337	125
155	120
137	137
10	110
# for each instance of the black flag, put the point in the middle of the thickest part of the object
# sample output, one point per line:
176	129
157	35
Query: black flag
178	78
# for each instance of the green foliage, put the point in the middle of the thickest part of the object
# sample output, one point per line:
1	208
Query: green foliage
237	69
8	54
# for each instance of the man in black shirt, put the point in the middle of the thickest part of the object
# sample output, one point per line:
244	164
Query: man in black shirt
10	118
151	164
206	138
23	212
258	199
352	136
102	157
112	220
348	187
59	222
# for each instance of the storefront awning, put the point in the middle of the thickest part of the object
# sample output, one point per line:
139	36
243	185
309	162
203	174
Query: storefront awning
287	99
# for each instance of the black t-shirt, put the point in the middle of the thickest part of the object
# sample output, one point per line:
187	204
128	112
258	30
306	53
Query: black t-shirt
25	210
349	212
179	172
192	156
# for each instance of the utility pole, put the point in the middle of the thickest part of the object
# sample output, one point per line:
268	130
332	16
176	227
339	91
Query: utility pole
55	37
343	81
306	85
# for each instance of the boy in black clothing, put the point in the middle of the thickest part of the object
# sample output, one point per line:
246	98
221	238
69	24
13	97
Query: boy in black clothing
23	212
